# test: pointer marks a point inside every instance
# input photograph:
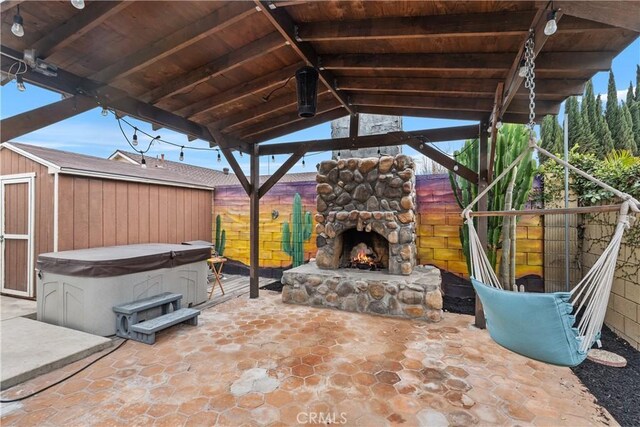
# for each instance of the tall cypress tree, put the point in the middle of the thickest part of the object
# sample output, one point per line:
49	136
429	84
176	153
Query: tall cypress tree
625	140
637	83
599	106
551	134
588	109
575	124
603	136
611	112
634	111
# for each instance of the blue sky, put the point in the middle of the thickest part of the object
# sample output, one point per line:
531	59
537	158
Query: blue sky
91	133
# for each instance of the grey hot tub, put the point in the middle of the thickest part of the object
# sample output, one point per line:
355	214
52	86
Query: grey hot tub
77	289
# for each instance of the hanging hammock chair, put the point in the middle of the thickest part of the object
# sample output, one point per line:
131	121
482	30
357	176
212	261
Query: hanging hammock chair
543	326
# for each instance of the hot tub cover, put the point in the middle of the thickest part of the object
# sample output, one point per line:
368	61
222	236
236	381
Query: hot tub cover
120	260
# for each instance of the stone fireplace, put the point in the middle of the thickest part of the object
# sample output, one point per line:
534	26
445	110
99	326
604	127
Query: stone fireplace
367	200
366	239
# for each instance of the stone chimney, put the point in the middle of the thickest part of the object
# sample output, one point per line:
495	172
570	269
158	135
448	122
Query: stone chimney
370	124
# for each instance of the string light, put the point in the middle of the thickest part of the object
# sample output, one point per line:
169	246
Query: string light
104	112
338	156
20	83
499	123
552	26
181	154
78	4
17	28
303	163
134	140
379	153
219	157
273	158
143	162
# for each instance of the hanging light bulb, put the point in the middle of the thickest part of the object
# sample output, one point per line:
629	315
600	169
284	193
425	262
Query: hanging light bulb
522	71
104	112
219	158
240	153
20	83
17	28
273	158
338	156
552	26
379	154
181	154
143	163
499	123
303	163
134	141
78	4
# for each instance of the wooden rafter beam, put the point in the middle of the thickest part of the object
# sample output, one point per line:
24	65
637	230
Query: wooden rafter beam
458	104
319	118
21	124
548	61
622	14
438	114
281	20
218	66
478	87
272	106
514	81
216	21
325	103
94	14
430	135
458	25
117	99
444	160
499	24
283	169
272	80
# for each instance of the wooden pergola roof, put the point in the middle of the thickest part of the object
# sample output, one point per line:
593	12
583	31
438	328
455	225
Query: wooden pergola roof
222	71
205	68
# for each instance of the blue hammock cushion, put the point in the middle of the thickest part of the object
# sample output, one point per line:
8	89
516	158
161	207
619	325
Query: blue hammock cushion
535	325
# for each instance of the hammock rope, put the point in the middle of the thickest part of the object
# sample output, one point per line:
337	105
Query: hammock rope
592	292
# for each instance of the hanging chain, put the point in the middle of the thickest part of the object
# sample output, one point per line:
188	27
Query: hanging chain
530	83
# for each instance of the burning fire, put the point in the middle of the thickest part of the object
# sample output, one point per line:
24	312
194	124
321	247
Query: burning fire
362	258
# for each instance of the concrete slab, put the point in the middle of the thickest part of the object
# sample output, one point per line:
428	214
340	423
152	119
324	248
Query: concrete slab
29	348
16	307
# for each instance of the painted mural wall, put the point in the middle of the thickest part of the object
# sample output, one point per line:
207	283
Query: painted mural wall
438	225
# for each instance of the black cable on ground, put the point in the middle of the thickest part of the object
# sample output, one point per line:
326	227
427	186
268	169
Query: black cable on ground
65	378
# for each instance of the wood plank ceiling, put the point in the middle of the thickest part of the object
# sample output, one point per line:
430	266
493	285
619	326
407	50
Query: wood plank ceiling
226	68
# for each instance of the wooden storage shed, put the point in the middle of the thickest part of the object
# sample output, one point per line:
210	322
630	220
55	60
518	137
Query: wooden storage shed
53	200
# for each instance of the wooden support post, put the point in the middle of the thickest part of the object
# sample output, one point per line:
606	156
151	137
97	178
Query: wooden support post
254	224
483	181
354	125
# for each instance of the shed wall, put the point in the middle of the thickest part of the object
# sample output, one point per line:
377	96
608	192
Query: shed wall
102	212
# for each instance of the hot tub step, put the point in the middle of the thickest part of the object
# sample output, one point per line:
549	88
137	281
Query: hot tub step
148	303
146	331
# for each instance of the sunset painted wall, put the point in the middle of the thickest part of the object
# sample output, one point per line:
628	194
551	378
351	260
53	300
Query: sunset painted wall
437	228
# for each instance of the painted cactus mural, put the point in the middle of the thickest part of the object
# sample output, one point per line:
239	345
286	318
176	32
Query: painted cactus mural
221	237
294	236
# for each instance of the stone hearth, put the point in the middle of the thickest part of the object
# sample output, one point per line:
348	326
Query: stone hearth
370	195
415	296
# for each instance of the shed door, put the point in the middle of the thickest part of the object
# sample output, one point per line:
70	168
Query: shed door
16	234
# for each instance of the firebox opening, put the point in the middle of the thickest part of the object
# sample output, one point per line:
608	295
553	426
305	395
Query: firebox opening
361	247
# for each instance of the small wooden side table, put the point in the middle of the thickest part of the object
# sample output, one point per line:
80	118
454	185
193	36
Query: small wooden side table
217	272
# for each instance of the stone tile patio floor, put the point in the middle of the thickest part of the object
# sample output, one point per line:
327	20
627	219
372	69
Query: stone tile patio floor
261	362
